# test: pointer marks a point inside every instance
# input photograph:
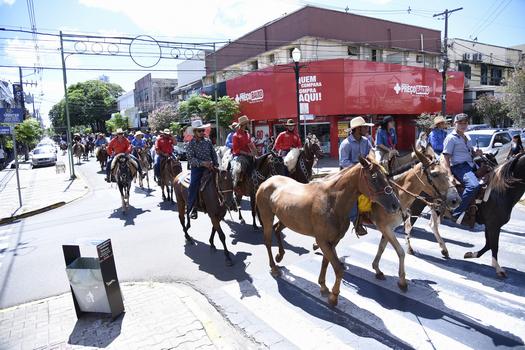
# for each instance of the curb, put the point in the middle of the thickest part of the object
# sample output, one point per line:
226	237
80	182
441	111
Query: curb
31	213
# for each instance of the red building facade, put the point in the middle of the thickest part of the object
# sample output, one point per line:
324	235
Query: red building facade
334	91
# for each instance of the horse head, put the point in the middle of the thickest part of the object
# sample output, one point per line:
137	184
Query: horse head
225	189
123	170
436	180
376	185
312	147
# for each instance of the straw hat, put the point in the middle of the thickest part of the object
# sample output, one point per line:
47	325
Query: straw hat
119	131
167	132
290	122
437	120
234	125
357	122
139	133
243	120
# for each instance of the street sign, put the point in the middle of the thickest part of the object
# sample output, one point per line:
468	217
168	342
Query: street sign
5	130
11	115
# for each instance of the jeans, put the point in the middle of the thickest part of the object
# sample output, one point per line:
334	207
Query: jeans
465	174
354	213
110	160
195	181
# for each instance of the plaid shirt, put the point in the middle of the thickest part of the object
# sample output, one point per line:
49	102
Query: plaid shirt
201	151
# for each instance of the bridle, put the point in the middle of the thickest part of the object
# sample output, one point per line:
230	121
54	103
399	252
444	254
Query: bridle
388	190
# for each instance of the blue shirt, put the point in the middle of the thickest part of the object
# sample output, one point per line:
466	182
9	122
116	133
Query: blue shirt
436	139
382	137
350	150
229	140
138	143
100	142
459	150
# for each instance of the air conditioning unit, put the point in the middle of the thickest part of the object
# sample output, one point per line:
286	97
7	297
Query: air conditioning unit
419	58
466	56
477	57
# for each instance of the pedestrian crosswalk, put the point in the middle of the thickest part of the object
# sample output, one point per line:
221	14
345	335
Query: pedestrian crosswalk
450	303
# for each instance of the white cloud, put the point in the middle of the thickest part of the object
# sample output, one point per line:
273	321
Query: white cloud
7	2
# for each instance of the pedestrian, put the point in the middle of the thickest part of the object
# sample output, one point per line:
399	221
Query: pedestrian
516	146
437	136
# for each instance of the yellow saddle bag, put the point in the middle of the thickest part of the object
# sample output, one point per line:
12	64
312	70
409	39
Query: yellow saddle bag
364	204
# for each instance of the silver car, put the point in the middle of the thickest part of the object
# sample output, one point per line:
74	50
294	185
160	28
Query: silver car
44	155
497	142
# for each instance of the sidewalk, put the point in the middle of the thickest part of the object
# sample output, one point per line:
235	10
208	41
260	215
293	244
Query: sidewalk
40	188
157	316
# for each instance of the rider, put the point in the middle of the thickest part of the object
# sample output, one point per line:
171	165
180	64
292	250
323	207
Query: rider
458	160
386	141
138	143
229	138
201	156
119	144
438	134
355	145
101	141
77	138
287	139
163	149
243	149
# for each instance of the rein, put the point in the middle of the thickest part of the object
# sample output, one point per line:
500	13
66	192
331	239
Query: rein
416	196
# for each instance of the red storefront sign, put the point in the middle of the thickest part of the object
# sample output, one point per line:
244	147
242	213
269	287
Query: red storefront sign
345	87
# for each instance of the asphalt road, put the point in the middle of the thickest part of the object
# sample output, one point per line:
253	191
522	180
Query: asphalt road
453	303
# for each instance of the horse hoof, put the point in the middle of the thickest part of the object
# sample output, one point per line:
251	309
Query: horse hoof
242	222
324	291
189	239
332	300
279	257
402	285
501	274
445	254
380	276
468	255
410	251
276	272
315	246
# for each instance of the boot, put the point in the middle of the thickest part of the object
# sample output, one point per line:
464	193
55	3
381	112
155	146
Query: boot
193	213
359	228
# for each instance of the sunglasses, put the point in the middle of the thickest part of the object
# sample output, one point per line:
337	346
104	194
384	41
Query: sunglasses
199	130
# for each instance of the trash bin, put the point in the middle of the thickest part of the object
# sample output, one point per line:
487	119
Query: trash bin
87	283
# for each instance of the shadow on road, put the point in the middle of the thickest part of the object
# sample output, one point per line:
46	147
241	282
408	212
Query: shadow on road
213	264
432	313
167	205
420	233
88	331
128	217
246	234
301	293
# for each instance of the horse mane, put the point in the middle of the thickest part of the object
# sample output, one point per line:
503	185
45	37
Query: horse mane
503	177
290	160
403	169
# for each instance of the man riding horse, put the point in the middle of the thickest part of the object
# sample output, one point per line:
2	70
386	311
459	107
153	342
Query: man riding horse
287	140
386	141
356	145
120	144
243	151
163	149
201	156
101	141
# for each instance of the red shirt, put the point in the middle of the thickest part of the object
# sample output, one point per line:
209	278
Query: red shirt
241	139
164	144
287	140
119	145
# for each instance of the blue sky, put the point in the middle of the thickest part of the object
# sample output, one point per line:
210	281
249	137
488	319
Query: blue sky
491	21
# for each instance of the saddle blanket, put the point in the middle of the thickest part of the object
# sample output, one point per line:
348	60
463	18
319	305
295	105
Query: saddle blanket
185	179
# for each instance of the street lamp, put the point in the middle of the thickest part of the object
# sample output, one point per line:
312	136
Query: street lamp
296	56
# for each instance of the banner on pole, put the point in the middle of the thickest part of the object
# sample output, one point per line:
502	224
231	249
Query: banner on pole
11	115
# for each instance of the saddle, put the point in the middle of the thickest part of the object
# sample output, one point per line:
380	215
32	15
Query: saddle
130	160
185	181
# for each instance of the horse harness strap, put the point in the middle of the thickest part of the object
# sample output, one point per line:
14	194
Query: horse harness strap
416	196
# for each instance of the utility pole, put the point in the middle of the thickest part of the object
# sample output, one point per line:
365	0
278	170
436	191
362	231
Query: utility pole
445	13
68	134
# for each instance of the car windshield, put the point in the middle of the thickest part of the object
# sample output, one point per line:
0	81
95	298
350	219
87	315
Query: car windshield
515	132
42	150
480	140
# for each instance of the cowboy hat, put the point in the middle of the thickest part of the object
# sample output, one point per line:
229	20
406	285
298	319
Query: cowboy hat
438	119
234	125
119	131
357	122
290	122
197	124
76	134
139	133
166	132
243	120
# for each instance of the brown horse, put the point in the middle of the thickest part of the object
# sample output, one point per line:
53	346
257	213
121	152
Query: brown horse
170	167
78	151
102	157
124	170
142	156
428	176
265	166
321	209
305	161
216	191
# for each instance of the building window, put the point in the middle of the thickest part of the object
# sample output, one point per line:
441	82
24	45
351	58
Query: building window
495	76
374	55
465	68
484	75
290	50
397	57
353	50
271	58
254	65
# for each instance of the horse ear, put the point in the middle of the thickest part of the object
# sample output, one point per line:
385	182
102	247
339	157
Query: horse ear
429	152
364	162
421	157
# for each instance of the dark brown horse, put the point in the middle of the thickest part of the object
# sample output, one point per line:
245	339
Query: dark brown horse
78	151
306	159
216	192
102	157
142	156
320	209
124	170
170	167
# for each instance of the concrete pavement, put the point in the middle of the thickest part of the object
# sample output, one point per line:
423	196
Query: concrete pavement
157	316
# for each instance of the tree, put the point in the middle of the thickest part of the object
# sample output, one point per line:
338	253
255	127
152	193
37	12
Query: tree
515	96
28	133
162	117
175	128
117	121
227	109
425	121
90	103
204	106
492	110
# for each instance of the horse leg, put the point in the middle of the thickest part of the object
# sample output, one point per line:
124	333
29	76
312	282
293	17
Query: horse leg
171	193
241	219
267	231
322	277
278	229
254	211
494	242
162	187
435	220
486	247
330	254
390	236
375	264
217	224
212	237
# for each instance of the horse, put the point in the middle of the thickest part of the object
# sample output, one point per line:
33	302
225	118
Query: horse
85	154
506	187
142	156
124	170
301	161
321	209
170	167
78	151
102	157
90	147
216	191
264	167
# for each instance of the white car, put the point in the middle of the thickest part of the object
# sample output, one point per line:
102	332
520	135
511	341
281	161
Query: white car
493	141
44	155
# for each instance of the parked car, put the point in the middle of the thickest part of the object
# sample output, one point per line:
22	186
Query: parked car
495	141
46	141
43	155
